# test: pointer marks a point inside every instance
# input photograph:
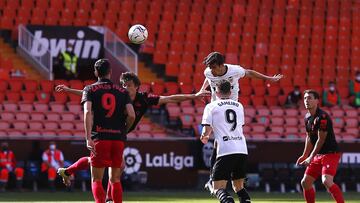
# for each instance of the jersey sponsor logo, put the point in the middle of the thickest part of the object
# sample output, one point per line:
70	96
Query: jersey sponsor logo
227	138
132	160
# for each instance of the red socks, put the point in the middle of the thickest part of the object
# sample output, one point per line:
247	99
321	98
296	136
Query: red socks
108	193
116	191
98	191
81	164
309	195
336	193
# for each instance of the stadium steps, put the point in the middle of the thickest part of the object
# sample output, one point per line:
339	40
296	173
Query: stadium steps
7	52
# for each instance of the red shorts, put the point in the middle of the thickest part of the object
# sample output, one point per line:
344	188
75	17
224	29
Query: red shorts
109	153
323	164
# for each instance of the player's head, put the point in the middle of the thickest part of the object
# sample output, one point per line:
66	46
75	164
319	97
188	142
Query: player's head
214	61
102	68
52	145
130	81
311	99
332	86
223	89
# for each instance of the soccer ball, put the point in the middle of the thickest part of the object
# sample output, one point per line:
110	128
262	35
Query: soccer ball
138	34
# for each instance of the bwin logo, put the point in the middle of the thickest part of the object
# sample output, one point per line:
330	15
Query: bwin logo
82	48
132	160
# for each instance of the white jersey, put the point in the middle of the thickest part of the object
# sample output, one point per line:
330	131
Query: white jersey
233	74
226	117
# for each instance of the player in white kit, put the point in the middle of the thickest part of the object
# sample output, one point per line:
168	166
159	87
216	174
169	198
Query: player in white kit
217	71
224	118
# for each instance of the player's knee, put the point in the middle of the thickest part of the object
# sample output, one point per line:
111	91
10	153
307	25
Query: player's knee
305	182
224	196
327	181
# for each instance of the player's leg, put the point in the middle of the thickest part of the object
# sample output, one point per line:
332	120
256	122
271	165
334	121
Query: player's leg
330	164
82	164
96	184
109	188
238	178
220	174
221	193
51	178
4	177
19	174
117	149
99	160
312	172
241	192
209	185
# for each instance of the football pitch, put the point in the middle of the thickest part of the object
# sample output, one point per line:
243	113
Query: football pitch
165	197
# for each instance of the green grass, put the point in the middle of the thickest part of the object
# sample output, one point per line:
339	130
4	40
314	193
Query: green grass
164	197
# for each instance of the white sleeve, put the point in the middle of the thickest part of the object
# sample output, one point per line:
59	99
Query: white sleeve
207	116
242	115
241	71
61	156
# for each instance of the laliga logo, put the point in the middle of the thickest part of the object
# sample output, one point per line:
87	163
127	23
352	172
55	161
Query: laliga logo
132	160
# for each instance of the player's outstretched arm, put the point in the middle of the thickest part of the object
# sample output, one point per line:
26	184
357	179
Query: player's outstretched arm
205	85
254	74
64	88
176	98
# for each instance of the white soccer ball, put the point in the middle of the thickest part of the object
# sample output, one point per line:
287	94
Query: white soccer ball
138	34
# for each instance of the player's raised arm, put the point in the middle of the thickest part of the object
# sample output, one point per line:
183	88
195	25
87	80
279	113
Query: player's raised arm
254	74
64	88
176	98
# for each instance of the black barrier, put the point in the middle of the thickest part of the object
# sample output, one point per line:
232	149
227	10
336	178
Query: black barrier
87	45
175	163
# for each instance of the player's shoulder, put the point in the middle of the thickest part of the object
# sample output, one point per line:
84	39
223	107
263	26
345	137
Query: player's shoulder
233	67
323	114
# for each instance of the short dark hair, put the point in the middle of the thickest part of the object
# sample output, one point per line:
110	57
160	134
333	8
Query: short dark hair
313	92
214	58
102	66
224	87
129	76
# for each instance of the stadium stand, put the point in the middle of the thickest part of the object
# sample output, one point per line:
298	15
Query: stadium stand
307	51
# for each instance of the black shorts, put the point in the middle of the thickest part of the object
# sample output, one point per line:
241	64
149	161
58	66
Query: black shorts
229	166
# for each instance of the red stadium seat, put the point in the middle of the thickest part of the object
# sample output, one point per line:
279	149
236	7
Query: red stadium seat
12	96
10	106
36	125
68	116
53	116
7	115
57	107
25	106
28	96
23	116
37	116
20	125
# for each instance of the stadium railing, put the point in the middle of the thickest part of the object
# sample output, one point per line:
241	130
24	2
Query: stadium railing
120	51
26	43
